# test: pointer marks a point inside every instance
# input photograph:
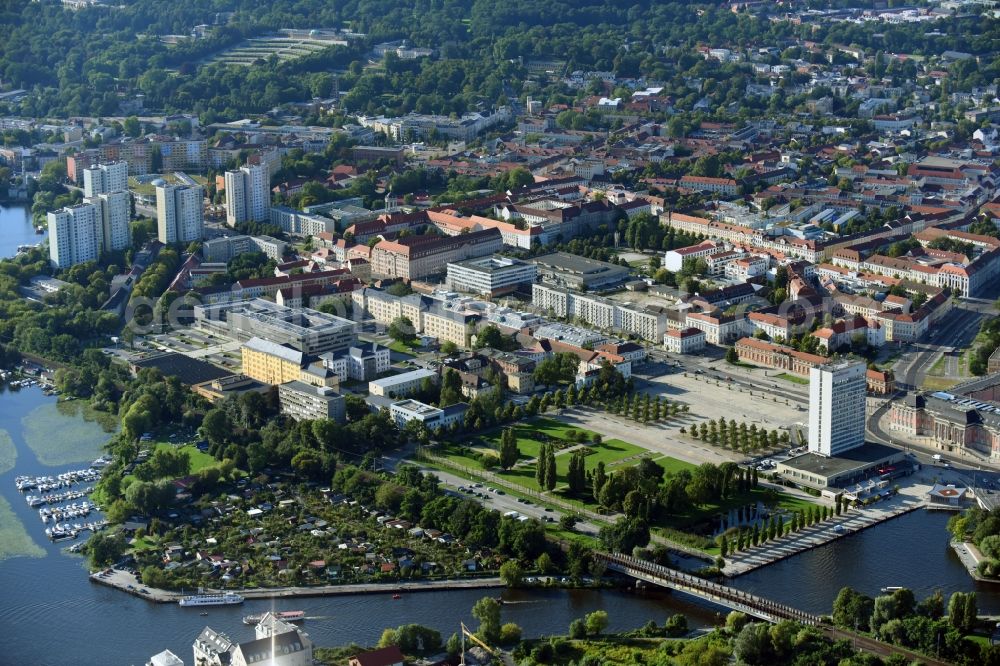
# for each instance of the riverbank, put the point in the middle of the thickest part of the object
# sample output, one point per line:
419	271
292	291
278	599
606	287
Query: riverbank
127	582
970	556
811	537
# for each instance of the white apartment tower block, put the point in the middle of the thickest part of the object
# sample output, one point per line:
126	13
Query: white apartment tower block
74	235
248	195
836	407
115	210
105	178
180	216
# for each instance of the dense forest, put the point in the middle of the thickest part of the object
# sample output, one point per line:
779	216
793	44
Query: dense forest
85	62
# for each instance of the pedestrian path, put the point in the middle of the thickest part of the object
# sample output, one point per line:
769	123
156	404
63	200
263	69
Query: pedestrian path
814	536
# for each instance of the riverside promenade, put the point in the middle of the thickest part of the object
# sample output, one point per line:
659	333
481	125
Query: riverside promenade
126	582
817	535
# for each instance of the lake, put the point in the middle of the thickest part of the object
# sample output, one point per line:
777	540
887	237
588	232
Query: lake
16	228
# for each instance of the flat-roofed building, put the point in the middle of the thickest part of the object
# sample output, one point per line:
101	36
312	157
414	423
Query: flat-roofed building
401	385
306	330
219	389
449	325
305	401
405	411
836	408
227	247
569	270
491	276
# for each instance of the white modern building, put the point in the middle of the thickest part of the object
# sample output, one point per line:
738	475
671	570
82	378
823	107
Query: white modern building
180	214
105	178
402	385
75	235
490	276
248	195
836	407
404	411
115	211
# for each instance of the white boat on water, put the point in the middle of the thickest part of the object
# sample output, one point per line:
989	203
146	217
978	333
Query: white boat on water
227	599
295	616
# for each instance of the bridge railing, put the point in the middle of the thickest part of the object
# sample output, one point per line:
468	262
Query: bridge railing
705	588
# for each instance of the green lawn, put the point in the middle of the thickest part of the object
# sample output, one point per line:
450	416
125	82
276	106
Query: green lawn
707	511
793	378
672	465
199	459
401	347
528	436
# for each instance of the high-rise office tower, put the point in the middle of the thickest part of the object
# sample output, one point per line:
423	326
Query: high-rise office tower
836	407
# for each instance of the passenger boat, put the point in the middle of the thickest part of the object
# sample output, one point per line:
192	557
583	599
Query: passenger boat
295	616
227	599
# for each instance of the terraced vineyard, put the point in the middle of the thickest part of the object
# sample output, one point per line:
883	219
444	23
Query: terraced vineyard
285	47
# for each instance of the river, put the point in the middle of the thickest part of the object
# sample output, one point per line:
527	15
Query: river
51	614
16	228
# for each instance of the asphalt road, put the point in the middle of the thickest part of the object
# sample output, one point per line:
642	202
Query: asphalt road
958	330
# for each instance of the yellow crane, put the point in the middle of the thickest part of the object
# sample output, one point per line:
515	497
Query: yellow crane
475	639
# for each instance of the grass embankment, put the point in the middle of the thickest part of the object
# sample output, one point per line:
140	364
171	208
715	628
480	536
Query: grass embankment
793	378
14	539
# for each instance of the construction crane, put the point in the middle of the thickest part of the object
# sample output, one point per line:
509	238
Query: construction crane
475	639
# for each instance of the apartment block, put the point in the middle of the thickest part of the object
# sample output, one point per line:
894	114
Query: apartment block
304	401
179	213
75	235
248	195
104	178
224	249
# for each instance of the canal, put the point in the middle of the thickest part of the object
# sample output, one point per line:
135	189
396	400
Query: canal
51	614
16	228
